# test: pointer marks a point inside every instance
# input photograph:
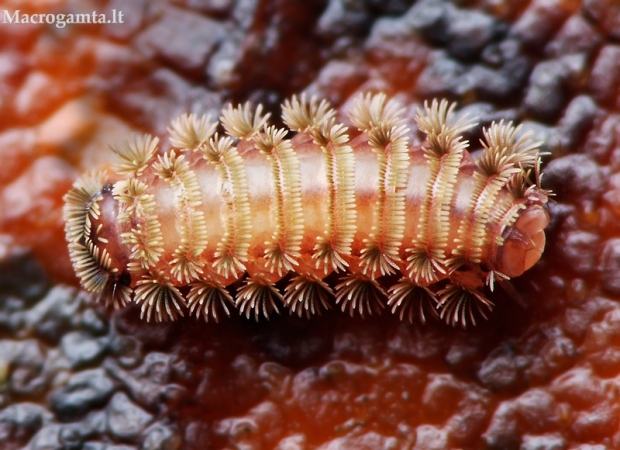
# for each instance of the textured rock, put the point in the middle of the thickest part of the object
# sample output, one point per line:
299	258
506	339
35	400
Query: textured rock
82	349
125	419
83	391
540	374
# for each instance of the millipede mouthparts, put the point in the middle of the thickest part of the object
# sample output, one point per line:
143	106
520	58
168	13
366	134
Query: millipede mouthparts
238	205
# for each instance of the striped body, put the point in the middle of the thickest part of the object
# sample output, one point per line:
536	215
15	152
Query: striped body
174	230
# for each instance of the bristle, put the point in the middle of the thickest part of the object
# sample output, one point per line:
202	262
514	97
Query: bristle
307	295
184	267
443	132
525	181
243	122
81	203
509	217
232	250
376	261
191	132
492	276
458	305
424	268
283	251
208	299
360	294
135	155
258	296
332	138
335	244
504	152
328	256
158	299
372	112
444	152
136	205
187	264
409	300
116	295
387	135
92	265
300	115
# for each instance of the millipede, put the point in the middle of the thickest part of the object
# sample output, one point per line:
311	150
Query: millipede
239	214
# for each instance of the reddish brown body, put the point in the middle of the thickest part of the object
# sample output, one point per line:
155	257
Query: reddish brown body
178	228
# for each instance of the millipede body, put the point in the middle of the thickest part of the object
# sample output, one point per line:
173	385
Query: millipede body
239	214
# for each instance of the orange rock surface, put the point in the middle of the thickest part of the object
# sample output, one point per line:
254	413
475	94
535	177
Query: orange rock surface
542	373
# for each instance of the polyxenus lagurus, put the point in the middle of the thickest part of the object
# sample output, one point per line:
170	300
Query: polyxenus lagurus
418	229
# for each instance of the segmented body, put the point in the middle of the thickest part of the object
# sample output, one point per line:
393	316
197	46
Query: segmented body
216	221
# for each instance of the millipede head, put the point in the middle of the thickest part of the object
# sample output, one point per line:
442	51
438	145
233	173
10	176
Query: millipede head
523	242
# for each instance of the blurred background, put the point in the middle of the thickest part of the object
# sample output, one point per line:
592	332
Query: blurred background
540	375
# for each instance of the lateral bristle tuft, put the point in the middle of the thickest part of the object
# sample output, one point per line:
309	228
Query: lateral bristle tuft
424	268
307	295
300	115
504	153
258	296
183	268
328	256
458	305
409	300
443	149
209	299
191	132
243	122
375	260
494	275
522	184
169	165
158	299
92	265
443	132
82	204
371	111
135	155
360	294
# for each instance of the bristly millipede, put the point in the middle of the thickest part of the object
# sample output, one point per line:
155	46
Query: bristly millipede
416	229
